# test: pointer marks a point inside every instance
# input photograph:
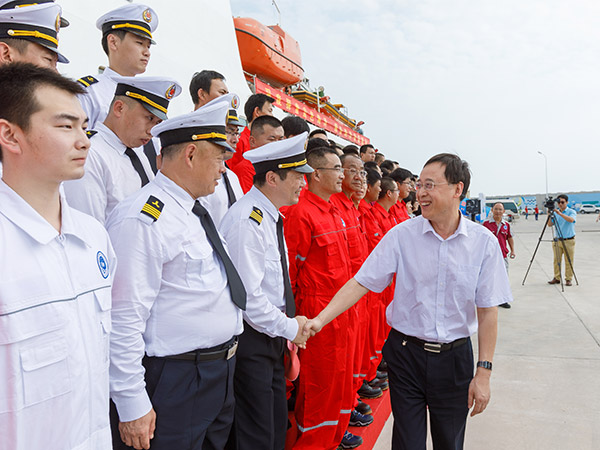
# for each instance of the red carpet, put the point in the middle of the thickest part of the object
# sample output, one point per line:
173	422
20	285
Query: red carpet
382	409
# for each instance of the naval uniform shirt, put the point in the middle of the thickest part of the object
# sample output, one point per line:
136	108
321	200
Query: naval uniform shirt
109	176
170	293
98	96
254	250
55	305
439	282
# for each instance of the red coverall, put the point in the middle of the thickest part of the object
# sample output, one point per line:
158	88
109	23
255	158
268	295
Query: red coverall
386	222
359	313
374	233
319	267
240	165
399	211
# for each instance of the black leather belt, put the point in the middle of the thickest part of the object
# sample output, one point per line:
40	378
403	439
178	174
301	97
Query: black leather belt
433	347
223	351
564	239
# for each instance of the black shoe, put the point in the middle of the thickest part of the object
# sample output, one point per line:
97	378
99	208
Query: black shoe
379	383
363	408
505	305
382	366
367	391
382	375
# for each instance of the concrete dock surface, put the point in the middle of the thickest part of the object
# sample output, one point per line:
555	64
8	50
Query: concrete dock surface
546	377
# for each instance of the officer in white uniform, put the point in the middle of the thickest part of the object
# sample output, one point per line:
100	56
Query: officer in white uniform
57	266
35	24
178	299
228	191
38	24
253	229
138	22
116	166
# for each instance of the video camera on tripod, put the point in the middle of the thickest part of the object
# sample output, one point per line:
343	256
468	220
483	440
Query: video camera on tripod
550	204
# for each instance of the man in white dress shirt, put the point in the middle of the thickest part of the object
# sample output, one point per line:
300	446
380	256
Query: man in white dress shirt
116	166
253	229
178	300
450	278
126	40
57	266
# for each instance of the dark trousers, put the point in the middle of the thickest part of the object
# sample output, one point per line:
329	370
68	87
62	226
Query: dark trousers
260	398
421	380
193	402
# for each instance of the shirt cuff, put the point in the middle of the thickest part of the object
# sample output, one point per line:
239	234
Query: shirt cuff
132	408
291	329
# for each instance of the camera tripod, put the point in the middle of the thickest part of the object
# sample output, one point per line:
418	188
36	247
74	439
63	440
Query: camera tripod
552	216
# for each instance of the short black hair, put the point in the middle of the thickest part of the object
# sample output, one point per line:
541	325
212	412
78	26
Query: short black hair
351	149
20	45
255	101
372	165
565	197
456	170
315	158
294	125
400	174
372	177
260	179
364	148
203	80
315	143
260	122
317	131
18	85
118	33
332	144
387	184
387	166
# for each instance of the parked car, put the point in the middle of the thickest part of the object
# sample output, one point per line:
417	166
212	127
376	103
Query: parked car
587	208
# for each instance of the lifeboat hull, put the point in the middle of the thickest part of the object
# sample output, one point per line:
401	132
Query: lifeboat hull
269	53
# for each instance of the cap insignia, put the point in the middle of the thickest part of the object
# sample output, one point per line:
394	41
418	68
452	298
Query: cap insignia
235	101
170	92
147	15
57	23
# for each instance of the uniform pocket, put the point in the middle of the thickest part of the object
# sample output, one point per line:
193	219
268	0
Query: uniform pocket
202	267
45	371
104	303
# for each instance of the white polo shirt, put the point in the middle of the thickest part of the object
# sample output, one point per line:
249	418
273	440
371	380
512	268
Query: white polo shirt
55	300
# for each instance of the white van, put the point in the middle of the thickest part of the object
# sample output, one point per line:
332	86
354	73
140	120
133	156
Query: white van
511	211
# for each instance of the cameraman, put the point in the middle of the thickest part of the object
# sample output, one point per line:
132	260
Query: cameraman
564	239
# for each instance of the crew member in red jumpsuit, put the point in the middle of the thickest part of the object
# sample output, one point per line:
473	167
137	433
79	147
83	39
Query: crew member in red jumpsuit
319	265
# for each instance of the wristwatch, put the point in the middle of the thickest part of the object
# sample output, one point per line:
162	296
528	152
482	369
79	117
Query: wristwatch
485	364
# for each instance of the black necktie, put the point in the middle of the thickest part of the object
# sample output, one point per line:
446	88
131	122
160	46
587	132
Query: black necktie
137	165
290	305
236	287
230	193
150	153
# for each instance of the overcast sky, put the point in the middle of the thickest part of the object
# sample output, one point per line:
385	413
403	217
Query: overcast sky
493	81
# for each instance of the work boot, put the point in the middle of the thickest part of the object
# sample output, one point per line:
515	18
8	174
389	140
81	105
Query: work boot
367	391
363	408
379	383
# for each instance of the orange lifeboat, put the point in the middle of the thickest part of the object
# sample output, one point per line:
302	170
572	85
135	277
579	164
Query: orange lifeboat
268	52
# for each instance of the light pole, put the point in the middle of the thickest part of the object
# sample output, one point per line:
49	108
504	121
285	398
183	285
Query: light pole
546	165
